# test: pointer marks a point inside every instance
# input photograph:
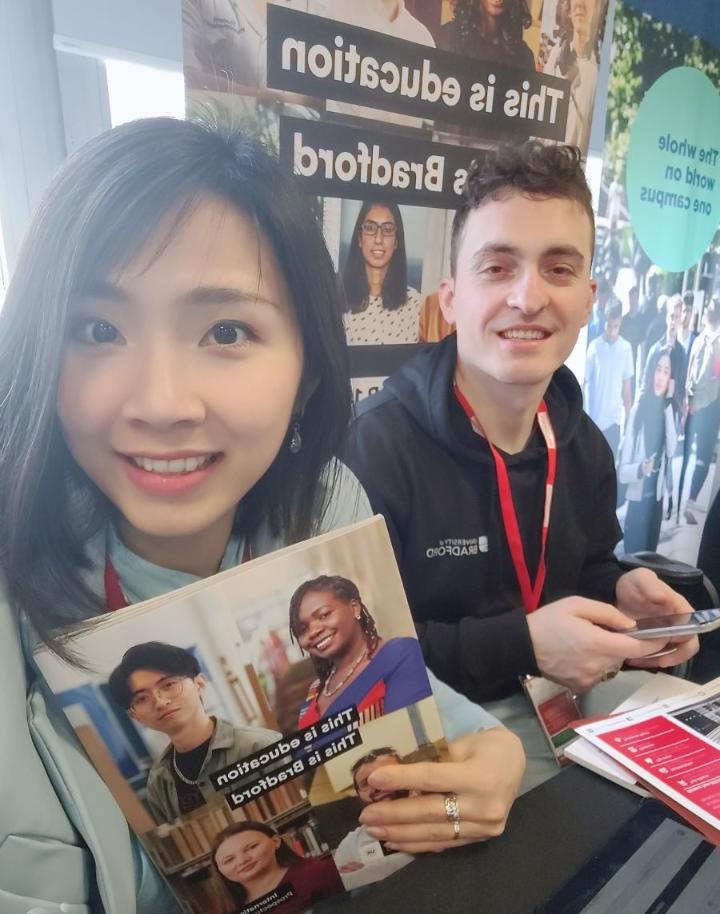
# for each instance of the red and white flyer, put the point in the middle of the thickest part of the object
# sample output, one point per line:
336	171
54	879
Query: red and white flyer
673	747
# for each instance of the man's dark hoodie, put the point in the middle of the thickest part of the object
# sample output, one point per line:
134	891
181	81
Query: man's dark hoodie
434	480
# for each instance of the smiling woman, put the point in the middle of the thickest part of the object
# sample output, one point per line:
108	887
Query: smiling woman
162	396
354	665
489	30
381	306
252	860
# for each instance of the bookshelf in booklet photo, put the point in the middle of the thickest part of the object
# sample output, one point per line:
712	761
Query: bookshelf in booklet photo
236	721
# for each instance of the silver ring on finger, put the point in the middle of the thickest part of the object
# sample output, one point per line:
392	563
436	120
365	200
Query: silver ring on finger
452	813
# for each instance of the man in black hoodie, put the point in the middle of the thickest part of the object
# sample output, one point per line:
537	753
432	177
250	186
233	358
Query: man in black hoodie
519	294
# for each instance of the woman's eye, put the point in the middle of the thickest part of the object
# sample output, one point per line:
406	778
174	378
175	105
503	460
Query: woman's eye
96	332
227	333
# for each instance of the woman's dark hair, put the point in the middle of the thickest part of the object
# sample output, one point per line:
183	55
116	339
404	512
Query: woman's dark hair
151	655
108	202
345	590
650	412
354	277
285	855
531	170
472	23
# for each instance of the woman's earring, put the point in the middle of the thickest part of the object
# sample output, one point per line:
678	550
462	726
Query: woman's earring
295	439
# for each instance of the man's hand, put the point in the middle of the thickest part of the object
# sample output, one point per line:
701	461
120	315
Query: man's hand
640	594
576	641
484	771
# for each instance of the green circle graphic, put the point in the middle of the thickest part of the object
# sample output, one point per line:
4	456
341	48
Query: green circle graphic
673	168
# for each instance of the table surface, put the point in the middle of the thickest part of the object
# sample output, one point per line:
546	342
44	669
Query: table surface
551	832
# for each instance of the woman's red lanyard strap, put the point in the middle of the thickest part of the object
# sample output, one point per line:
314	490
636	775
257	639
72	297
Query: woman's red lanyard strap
530	592
114	596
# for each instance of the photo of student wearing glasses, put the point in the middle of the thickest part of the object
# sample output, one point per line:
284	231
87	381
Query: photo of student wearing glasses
161	687
381	306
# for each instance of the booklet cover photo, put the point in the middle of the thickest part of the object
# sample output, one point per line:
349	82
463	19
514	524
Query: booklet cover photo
237	720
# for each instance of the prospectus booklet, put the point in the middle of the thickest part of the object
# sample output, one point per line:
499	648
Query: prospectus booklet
237	720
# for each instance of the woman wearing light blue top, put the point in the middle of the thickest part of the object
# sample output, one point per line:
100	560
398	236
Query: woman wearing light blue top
173	385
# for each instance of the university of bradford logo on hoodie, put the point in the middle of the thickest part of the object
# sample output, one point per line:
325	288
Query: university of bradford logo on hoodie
457	547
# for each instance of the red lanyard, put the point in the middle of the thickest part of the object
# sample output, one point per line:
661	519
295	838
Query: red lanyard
114	596
530	592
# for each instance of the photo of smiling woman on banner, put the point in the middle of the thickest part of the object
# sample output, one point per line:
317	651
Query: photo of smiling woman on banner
381	306
252	860
355	666
489	30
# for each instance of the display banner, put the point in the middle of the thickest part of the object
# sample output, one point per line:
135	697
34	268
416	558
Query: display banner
334	160
318	55
653	361
378	107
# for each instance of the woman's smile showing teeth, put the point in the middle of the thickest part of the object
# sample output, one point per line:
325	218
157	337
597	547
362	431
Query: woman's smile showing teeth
171	474
323	643
174	466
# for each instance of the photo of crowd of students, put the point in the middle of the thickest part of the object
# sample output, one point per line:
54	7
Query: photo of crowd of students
660	330
253	861
678	318
621	369
702	408
380	305
161	687
355	666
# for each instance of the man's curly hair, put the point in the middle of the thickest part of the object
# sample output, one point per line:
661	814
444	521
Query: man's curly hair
533	169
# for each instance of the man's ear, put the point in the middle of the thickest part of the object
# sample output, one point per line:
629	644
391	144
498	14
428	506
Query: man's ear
446	298
200	681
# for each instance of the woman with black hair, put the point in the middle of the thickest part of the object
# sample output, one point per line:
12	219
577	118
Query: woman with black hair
489	30
380	306
354	665
252	860
650	441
